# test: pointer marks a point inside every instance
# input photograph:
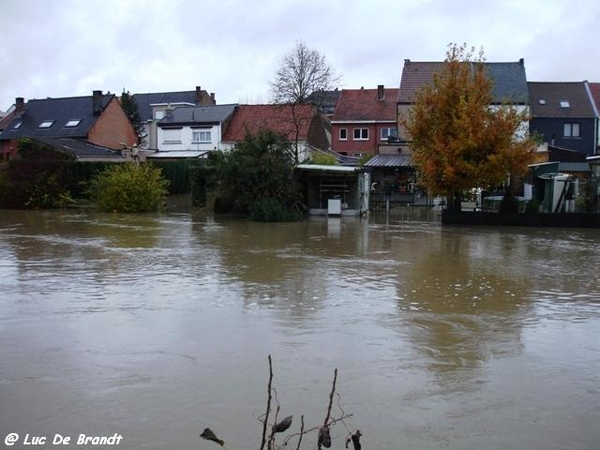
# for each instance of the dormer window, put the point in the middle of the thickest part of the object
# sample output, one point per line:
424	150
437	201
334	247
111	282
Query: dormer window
17	125
46	124
565	104
73	123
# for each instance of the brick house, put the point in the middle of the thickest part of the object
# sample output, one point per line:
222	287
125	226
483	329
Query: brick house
301	124
97	119
363	120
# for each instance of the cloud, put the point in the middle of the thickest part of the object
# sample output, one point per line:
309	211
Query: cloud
234	47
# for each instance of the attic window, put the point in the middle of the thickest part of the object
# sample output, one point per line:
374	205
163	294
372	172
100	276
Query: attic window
46	124
17	125
73	123
542	101
564	104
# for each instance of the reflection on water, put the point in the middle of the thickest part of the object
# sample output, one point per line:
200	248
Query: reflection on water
157	326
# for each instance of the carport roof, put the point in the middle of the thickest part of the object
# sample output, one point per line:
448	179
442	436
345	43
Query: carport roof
390	161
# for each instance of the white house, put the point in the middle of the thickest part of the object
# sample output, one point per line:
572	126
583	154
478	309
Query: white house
192	130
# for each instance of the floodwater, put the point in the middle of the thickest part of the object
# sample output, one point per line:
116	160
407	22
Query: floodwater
155	327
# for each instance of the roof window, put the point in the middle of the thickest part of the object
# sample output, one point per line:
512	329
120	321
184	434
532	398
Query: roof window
73	123
46	124
542	101
17	125
565	104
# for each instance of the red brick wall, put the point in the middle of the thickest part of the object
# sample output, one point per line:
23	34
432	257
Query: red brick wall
112	128
350	146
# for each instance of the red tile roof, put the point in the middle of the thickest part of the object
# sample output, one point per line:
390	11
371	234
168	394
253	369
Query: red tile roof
279	118
363	105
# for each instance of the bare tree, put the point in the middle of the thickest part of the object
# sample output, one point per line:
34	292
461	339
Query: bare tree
303	71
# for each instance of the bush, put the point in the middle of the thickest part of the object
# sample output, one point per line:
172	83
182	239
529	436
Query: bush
272	210
323	159
129	187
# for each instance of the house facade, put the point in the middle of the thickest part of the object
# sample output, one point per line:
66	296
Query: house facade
97	119
564	115
363	120
152	107
303	125
192	130
509	85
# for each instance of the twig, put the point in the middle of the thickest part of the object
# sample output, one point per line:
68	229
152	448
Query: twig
332	422
331	398
301	431
266	419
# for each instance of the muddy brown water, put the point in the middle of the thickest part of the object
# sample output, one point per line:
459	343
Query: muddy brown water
157	326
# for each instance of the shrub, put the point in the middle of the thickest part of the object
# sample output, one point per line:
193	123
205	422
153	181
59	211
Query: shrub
273	210
129	187
323	159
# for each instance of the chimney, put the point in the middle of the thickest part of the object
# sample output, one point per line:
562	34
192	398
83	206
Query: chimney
97	102
522	61
380	92
212	96
19	106
198	95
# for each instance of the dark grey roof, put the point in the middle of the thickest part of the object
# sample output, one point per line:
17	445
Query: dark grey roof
189	115
144	101
82	149
58	110
509	80
546	98
389	161
326	100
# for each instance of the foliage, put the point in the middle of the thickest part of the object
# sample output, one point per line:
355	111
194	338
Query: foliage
532	206
302	72
131	110
39	177
129	187
177	173
258	174
458	140
364	158
323	159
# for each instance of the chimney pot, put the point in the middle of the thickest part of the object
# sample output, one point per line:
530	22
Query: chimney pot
19	106
96	102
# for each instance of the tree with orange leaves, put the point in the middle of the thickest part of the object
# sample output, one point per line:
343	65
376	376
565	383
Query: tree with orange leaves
459	140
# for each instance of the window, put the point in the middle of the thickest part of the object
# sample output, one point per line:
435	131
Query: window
159	115
343	134
200	136
361	134
387	133
73	123
571	130
565	104
17	125
171	135
46	124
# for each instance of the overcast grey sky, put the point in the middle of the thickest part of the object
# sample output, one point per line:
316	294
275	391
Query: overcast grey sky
66	48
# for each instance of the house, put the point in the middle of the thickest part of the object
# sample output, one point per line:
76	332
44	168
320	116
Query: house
152	108
301	124
192	131
509	85
363	120
564	115
97	119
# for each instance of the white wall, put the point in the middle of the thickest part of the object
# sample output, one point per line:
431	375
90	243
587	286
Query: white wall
184	141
